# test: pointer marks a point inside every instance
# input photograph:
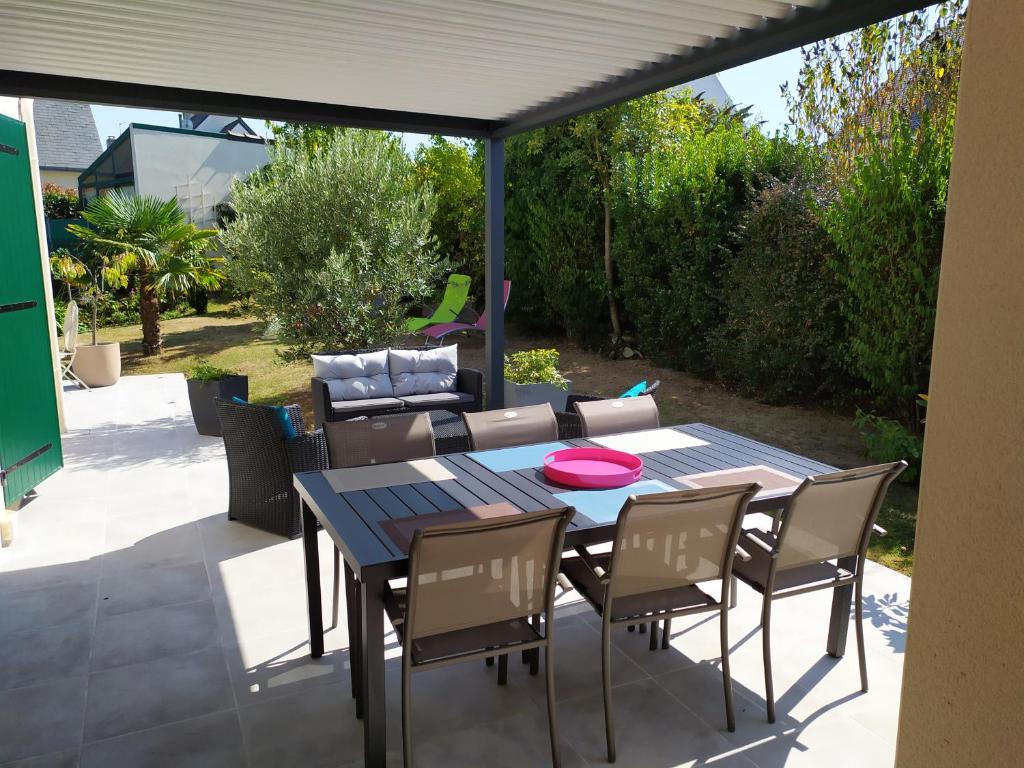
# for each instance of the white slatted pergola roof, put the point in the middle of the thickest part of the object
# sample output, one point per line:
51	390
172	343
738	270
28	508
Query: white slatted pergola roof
466	67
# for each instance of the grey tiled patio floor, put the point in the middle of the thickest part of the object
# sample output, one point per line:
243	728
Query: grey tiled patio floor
139	627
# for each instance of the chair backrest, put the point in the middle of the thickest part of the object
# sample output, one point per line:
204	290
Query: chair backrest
674	539
512	426
627	414
71	326
472	574
379	441
506	289
831	515
456	293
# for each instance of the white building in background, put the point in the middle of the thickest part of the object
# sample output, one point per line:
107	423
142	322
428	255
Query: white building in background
195	166
710	89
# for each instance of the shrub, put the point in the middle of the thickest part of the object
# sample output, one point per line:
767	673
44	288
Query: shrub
534	366
887	440
781	319
887	226
60	202
205	372
330	243
674	212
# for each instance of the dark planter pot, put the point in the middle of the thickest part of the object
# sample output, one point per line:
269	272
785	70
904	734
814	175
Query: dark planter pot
201	395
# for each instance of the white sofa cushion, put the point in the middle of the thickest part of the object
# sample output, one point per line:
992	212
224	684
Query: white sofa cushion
425	372
355	377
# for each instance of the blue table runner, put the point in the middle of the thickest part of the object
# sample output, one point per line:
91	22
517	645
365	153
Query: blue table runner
602	506
520	457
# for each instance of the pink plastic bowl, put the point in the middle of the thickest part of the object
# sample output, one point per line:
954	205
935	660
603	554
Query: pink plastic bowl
592	467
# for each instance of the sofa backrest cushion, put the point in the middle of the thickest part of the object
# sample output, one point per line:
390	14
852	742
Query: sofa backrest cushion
355	377
415	372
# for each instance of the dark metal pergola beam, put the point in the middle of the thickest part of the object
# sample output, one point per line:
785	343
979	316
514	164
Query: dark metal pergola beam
122	94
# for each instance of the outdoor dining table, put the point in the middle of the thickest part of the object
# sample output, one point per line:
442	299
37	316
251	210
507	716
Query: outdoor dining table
357	521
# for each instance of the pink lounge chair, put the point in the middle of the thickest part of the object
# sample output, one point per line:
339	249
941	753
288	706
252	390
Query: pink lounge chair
438	332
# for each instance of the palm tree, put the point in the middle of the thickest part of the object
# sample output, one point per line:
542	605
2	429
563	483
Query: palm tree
152	237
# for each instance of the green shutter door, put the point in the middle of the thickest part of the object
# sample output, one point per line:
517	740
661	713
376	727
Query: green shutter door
29	432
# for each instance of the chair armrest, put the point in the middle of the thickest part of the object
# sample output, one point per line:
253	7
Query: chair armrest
743	555
749	537
591	563
307	452
878	530
471	381
322	410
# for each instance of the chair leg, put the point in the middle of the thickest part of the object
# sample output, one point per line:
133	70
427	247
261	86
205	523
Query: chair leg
766	641
730	712
549	679
859	618
503	669
406	716
535	653
653	645
606	687
665	633
489	661
643	629
733	583
631	628
337	589
353	607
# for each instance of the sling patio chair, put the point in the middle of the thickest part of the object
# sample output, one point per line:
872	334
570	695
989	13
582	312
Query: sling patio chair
477	590
362	442
69	340
829	517
456	293
438	332
608	417
569	424
666	544
510	427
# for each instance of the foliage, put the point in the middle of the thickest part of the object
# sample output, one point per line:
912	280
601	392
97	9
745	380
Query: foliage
887	225
454	171
781	307
851	88
675	209
205	372
887	440
60	202
534	366
330	243
148	237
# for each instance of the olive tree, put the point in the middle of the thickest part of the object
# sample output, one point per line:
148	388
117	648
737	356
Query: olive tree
333	243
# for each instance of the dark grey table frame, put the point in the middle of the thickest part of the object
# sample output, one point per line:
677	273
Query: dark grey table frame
352	520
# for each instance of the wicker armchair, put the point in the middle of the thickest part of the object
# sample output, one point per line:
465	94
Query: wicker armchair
569	425
261	463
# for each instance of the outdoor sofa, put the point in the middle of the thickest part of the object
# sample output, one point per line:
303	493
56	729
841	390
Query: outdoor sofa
370	382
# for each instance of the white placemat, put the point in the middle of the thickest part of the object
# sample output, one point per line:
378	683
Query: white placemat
383	475
648	440
773	481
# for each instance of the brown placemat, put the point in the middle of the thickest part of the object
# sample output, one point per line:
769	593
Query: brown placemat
403	529
771	480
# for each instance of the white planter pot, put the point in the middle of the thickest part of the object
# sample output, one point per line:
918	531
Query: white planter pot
535	394
98	365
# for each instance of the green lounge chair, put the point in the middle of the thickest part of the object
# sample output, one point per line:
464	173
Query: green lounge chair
456	294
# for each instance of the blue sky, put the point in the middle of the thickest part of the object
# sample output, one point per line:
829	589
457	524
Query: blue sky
756	84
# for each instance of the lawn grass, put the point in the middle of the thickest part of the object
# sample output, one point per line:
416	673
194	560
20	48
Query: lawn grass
227	339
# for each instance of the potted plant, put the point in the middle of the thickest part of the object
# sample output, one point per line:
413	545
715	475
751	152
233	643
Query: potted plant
206	382
532	378
97	365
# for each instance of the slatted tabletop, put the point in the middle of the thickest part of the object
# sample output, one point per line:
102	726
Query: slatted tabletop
353	518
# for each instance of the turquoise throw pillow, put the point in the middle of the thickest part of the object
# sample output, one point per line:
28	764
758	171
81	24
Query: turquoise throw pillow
636	390
287	428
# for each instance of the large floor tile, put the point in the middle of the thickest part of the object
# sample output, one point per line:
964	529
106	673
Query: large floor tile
46	607
63	759
41	719
38	655
127	591
171	630
210	741
142	543
155	693
311	728
578	660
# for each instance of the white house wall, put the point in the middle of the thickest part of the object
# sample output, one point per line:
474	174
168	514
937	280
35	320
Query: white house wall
196	169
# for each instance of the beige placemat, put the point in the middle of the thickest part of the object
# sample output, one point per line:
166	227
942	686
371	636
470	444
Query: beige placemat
403	529
771	480
648	440
383	475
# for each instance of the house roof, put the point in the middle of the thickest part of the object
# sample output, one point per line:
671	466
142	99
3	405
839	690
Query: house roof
462	67
66	135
